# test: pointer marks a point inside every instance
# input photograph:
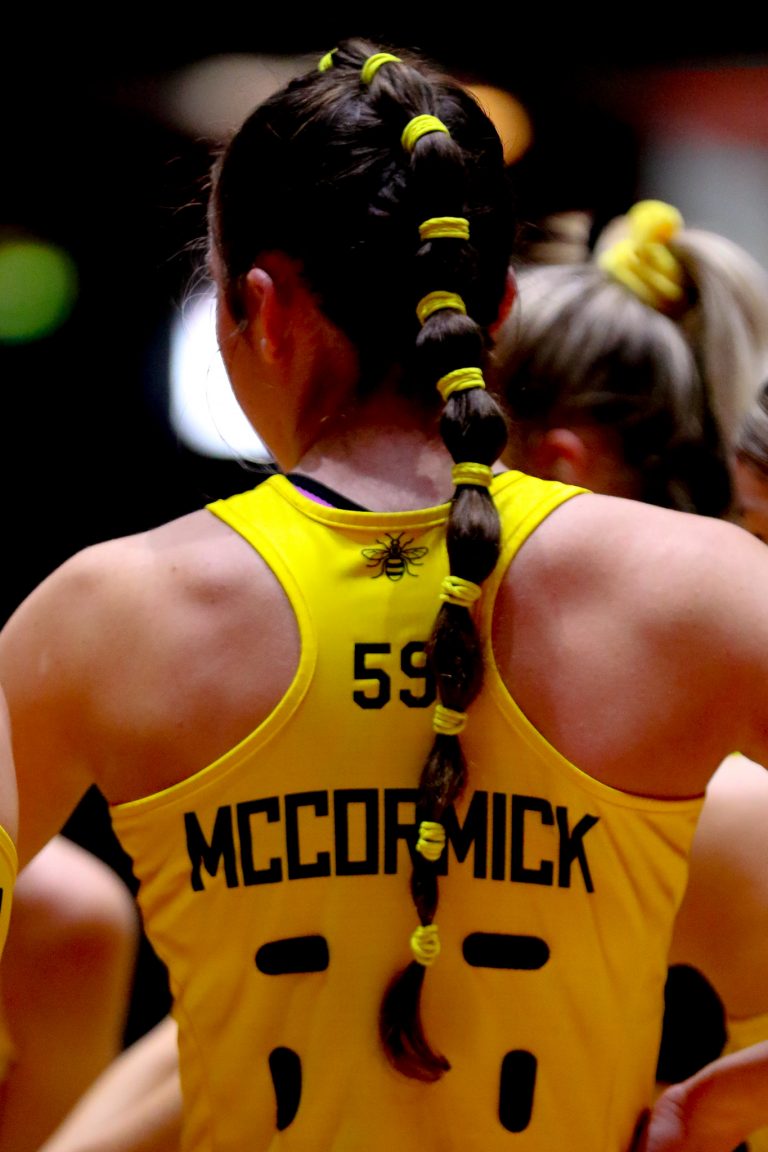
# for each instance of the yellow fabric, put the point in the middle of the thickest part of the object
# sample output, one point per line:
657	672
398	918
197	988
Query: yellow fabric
741	1034
326	61
312	823
9	866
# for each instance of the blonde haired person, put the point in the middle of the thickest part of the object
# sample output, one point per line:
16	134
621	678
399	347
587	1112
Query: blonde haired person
750	468
403	744
606	369
651	349
722	928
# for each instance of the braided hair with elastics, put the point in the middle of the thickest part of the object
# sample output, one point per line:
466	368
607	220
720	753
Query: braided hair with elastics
386	181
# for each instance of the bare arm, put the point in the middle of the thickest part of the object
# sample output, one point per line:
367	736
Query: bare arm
36	678
134	1106
713	1110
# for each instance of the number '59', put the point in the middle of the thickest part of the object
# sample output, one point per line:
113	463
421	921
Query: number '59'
378	667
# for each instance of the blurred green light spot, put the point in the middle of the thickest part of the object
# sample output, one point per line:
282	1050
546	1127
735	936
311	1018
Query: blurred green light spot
38	289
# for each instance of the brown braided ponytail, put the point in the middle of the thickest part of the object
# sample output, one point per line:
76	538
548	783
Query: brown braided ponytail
450	351
386	180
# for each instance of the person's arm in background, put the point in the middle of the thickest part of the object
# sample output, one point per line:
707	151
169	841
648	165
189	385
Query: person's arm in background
715	1109
134	1106
9	822
65	984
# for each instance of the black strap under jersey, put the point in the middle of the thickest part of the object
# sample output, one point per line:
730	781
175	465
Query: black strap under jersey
313	487
323	492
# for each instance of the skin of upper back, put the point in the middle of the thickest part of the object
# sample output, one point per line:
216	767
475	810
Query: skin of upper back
635	639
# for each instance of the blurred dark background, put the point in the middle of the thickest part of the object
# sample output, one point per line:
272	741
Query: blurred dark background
104	165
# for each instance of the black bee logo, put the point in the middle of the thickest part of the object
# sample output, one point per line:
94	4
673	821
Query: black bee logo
394	557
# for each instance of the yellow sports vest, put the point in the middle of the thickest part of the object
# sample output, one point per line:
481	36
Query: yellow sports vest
8	873
9	864
274	884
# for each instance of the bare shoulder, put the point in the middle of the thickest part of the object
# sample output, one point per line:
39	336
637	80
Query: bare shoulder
128	659
675	563
114	584
656	618
674	574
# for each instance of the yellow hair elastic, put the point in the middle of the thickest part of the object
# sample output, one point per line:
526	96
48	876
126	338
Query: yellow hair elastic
373	63
431	840
470	473
434	301
447	721
326	62
654	221
445	227
642	261
419	126
425	944
462	593
459	380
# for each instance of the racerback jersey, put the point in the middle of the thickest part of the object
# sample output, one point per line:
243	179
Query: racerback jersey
274	884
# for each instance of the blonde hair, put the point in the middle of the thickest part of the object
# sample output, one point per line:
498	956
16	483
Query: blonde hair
581	346
751	443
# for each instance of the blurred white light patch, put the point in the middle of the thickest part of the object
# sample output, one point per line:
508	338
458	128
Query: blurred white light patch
212	97
202	408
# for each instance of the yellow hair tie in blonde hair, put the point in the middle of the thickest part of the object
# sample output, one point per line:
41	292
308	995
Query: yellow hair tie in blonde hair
431	840
373	63
425	944
445	227
448	722
434	301
642	261
471	473
462	593
419	126
326	62
459	380
654	221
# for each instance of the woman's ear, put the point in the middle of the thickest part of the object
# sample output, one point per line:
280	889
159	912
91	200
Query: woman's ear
278	302
262	311
510	295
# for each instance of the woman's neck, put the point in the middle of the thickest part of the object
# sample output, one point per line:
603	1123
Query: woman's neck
383	457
